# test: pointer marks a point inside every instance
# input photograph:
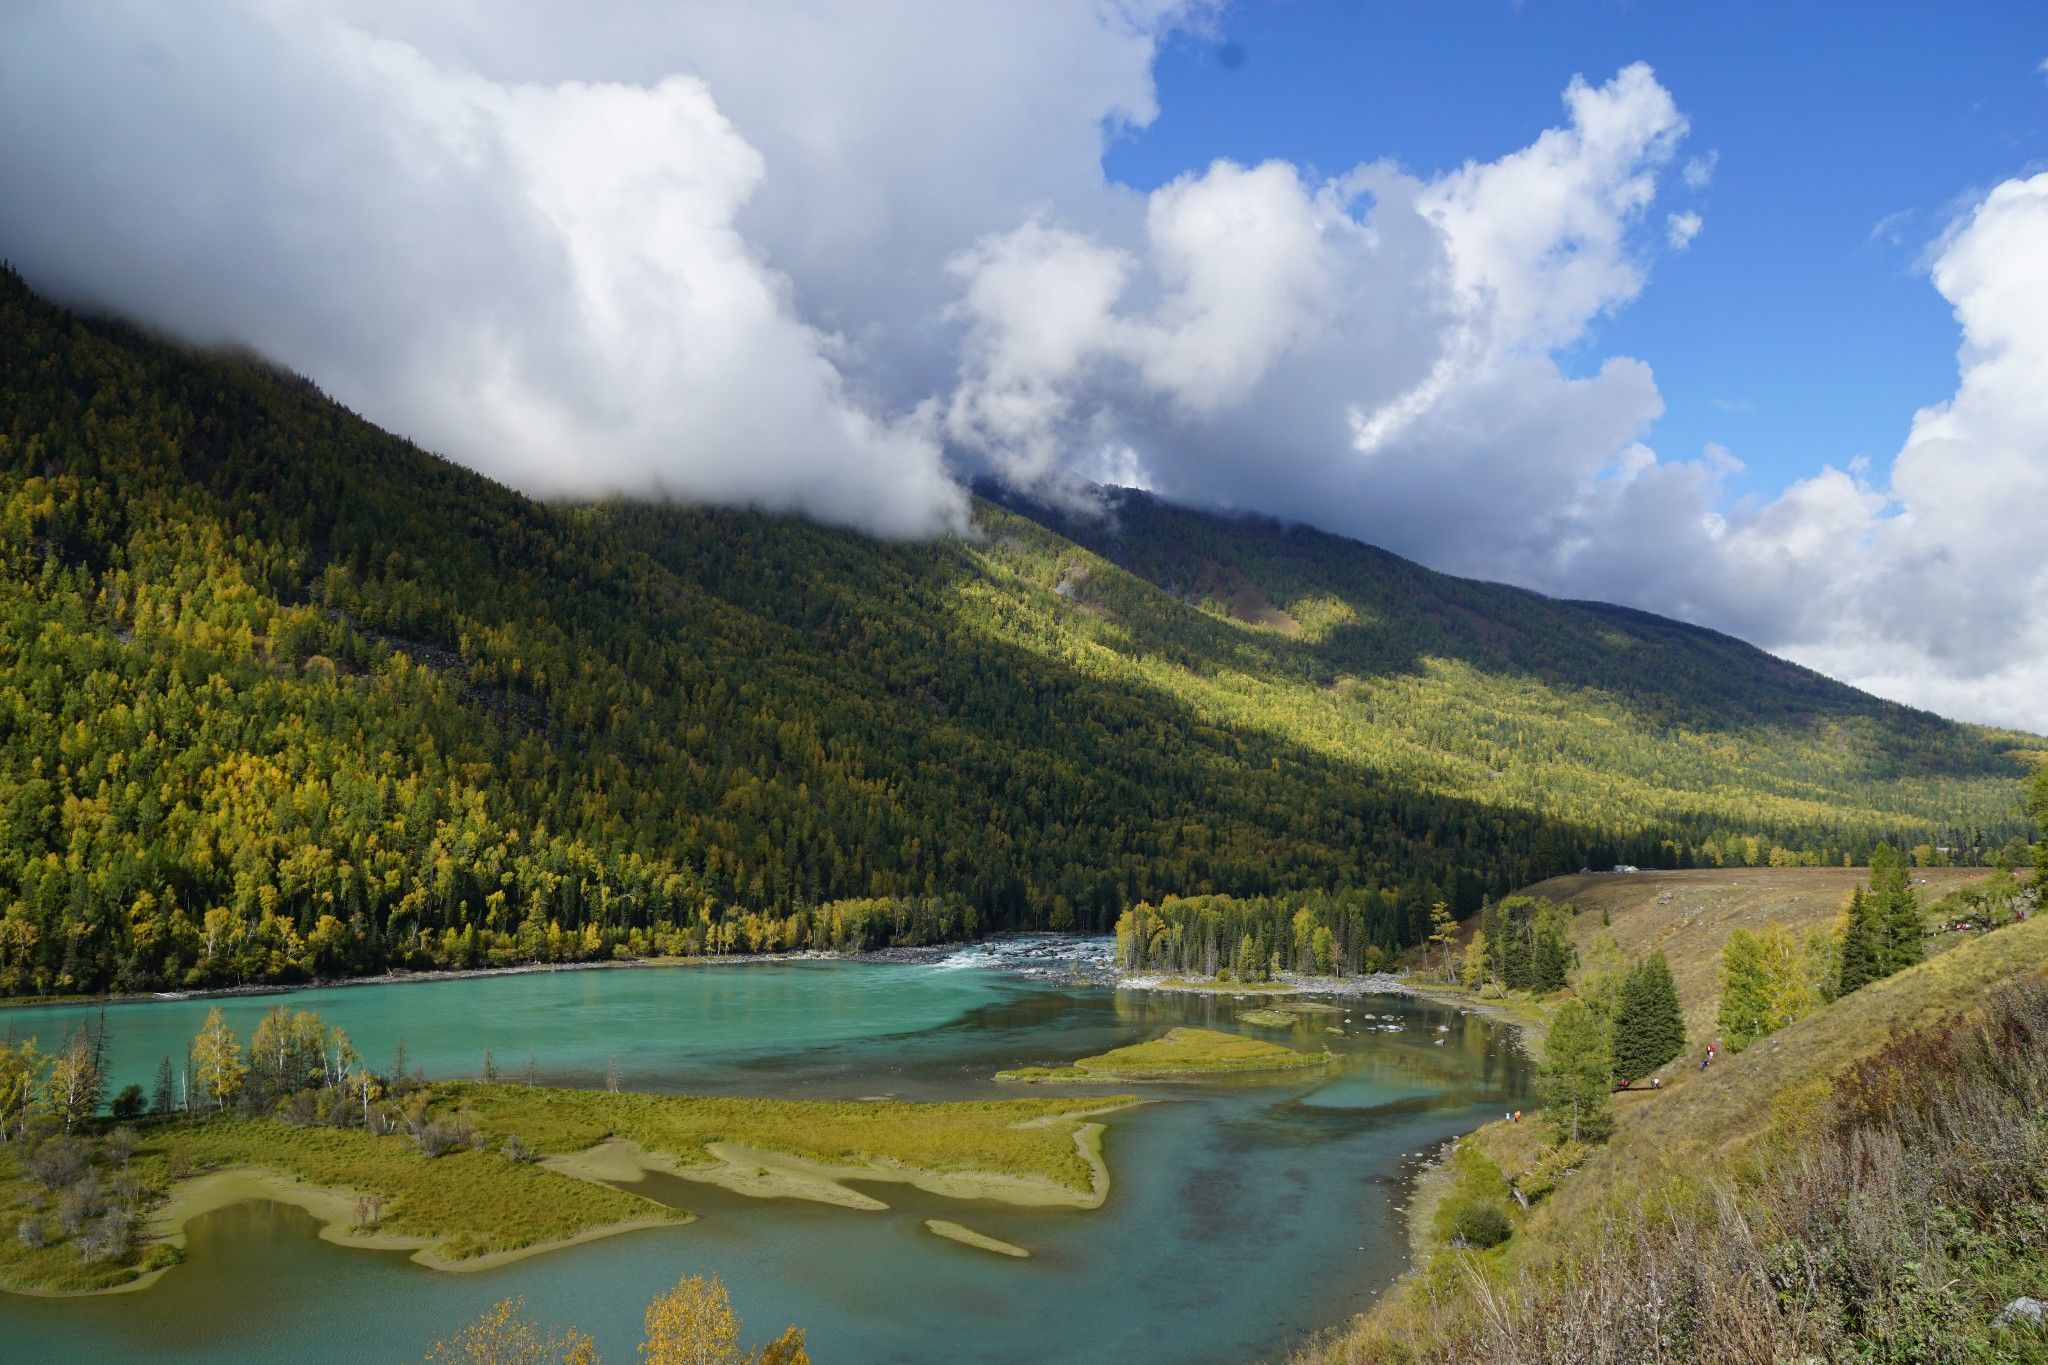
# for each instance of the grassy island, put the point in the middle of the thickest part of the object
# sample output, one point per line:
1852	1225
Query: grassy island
1016	1151
1182	1054
477	1174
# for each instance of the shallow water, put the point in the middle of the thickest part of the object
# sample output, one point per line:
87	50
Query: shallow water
1242	1215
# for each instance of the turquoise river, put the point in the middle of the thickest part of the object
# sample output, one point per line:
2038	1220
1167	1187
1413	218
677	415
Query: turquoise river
1243	1216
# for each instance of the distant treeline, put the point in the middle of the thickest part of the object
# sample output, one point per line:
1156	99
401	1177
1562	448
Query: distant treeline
1524	939
1343	933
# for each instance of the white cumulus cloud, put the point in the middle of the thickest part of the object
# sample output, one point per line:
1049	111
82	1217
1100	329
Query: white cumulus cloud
829	257
1941	597
1366	352
694	250
1927	585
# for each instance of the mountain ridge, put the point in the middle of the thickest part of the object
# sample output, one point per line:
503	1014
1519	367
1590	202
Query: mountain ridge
287	696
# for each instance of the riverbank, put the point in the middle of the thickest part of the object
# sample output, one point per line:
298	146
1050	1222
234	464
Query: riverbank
1526	1019
1045	956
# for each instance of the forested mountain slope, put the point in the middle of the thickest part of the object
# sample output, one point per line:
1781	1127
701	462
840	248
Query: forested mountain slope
284	695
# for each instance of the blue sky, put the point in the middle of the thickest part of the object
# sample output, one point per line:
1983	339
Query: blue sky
1799	328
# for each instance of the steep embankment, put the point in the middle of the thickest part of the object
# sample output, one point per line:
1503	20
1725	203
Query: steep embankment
1709	1169
282	695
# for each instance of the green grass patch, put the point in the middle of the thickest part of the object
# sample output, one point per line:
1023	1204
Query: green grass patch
1269	1018
1182	1052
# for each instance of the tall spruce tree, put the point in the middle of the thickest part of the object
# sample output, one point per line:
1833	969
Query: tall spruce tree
1900	923
1649	1028
165	1097
1631	1057
1517	958
1551	963
1493	926
1862	946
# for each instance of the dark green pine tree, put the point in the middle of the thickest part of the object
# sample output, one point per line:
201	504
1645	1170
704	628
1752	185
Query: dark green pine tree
1552	963
1631	1008
1516	959
1862	945
1649	1018
1896	912
1649	1030
1493	922
164	1098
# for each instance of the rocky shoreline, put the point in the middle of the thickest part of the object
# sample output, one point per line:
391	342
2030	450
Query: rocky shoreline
1287	983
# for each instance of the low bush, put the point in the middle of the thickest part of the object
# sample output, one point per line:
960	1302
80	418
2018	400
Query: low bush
58	1163
1480	1226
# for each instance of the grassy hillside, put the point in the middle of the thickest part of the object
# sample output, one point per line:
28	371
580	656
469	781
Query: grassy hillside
282	695
1865	1184
1687	915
